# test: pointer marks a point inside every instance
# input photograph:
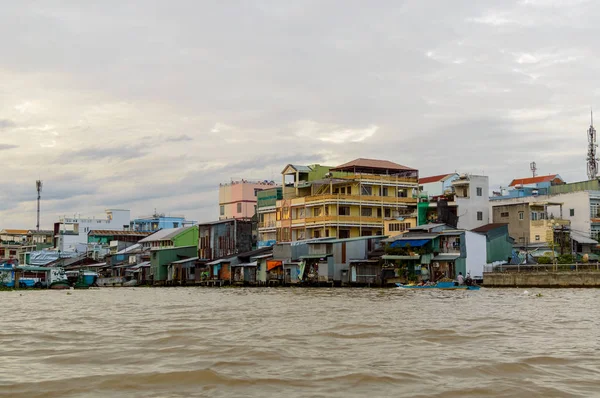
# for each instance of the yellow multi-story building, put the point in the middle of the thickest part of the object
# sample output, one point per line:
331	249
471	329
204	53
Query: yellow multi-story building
364	197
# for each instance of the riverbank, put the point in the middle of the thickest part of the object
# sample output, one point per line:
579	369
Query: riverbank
556	279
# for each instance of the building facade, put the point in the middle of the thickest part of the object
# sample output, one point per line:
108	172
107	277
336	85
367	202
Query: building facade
70	233
267	216
437	185
157	222
238	199
225	238
351	200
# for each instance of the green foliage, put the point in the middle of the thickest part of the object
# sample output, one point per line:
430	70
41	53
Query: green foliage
544	260
566	259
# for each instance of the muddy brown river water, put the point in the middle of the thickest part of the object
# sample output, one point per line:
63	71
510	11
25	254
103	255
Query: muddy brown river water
203	342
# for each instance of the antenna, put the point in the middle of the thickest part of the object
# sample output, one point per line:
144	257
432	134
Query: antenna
38	186
592	160
533	168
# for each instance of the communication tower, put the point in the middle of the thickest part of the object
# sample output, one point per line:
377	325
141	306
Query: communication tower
533	168
38	185
592	160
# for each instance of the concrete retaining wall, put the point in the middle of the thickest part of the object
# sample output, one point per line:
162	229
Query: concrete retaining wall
541	279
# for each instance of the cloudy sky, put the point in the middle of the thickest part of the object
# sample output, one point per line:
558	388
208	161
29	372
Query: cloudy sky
150	104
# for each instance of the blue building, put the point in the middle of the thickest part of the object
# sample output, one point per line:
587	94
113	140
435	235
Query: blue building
531	186
157	222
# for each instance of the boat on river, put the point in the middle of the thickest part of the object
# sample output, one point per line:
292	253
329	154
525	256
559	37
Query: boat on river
440	285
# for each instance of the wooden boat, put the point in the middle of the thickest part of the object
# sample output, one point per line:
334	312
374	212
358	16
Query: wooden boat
440	285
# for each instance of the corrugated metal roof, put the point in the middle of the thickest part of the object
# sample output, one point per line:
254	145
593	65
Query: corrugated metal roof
341	240
446	257
165	234
185	260
580	238
14	231
394	257
372	164
488	227
99	232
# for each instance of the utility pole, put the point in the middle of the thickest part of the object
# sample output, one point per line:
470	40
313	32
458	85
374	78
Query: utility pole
38	185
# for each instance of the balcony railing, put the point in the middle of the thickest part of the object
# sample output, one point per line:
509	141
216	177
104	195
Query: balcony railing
361	198
343	219
380	178
267	224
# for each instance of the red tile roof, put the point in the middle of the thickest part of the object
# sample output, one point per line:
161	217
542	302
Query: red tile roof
427	180
533	180
362	163
488	227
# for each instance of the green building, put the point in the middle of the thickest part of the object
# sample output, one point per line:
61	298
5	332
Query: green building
168	245
499	243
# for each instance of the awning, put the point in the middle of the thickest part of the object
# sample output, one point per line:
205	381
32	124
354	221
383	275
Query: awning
217	262
582	239
272	264
252	264
410	242
314	256
446	257
393	257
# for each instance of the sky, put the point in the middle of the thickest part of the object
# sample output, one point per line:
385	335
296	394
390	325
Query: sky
151	104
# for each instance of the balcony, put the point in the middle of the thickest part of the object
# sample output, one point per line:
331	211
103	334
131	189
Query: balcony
547	223
345	220
363	199
267	225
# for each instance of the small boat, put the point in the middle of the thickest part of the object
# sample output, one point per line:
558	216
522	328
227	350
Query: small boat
440	285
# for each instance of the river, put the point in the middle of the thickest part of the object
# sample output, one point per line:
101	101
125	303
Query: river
204	342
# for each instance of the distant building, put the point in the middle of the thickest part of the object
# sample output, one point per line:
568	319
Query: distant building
157	222
71	233
529	186
461	200
267	216
169	245
351	200
238	199
13	236
437	185
225	238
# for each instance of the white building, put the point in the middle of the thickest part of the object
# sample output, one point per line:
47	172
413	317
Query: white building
437	185
71	233
472	197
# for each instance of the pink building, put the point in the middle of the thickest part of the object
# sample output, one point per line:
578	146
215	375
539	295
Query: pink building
237	199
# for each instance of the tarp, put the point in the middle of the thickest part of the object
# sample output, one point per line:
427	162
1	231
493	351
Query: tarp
271	264
411	243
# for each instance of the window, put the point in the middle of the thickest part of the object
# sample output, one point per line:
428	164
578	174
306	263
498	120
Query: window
388	213
379	212
175	225
572	212
349	191
366	212
504	214
534	216
256	190
301	213
479	216
316	233
344	234
344	211
367	190
479	191
402	193
384	191
239	208
398	227
317	212
537	237
521	215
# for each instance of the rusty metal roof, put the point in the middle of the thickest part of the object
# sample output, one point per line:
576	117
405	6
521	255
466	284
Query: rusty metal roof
108	232
372	164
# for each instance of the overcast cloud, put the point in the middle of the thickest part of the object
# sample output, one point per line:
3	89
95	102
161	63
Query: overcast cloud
150	104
